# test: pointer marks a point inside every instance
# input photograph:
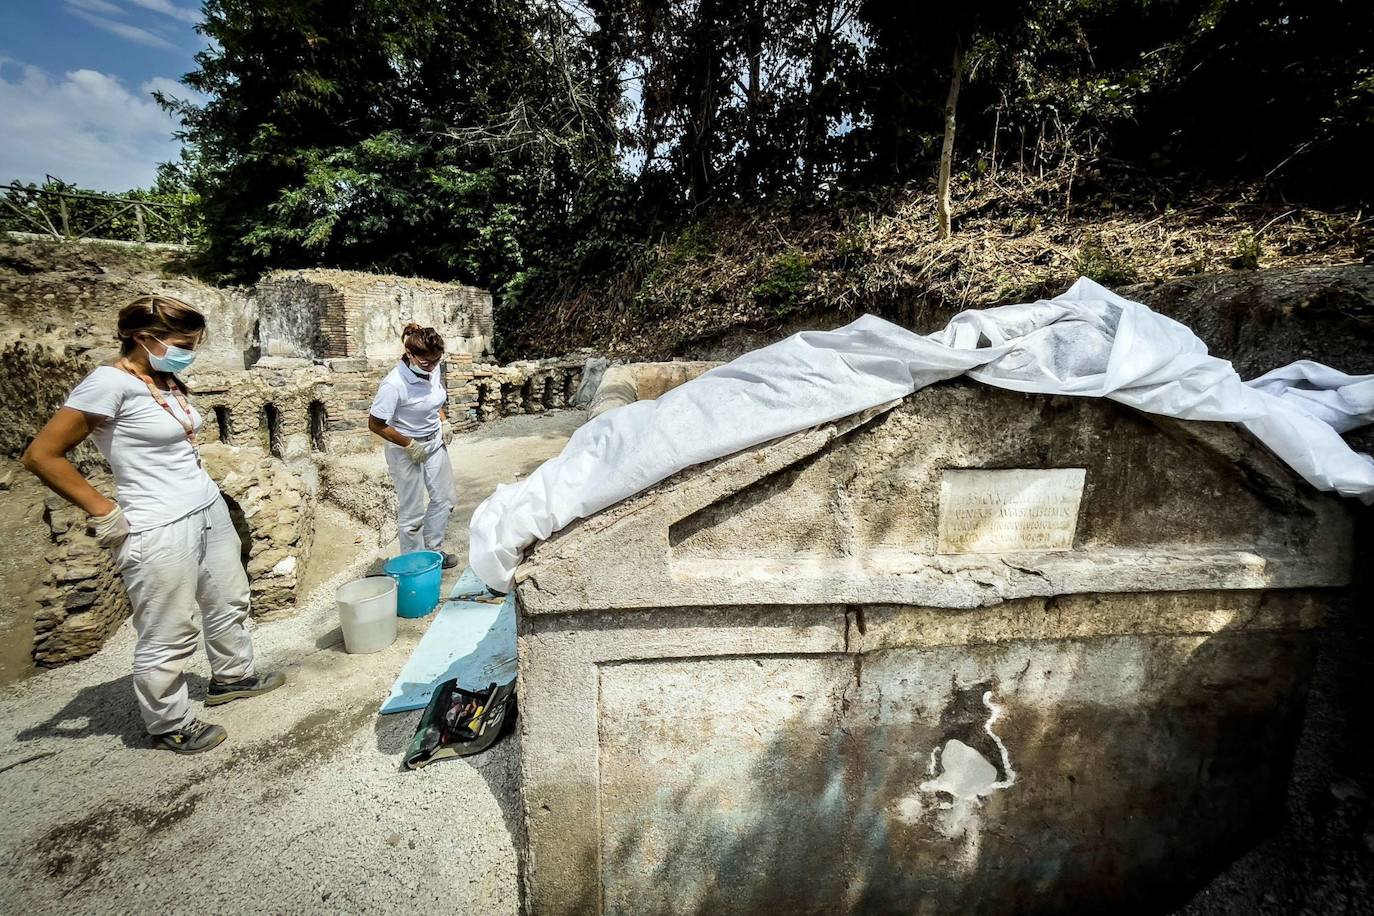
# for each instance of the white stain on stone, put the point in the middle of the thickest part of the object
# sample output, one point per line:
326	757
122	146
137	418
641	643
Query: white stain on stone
966	776
961	778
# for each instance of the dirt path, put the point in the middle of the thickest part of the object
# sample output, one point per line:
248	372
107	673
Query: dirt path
302	810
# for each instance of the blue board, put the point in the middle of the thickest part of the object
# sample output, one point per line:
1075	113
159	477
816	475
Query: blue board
469	640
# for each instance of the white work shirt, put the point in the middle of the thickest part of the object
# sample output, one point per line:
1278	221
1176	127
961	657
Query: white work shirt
157	477
410	404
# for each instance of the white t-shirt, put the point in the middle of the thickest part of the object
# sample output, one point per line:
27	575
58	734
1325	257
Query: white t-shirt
157	477
410	404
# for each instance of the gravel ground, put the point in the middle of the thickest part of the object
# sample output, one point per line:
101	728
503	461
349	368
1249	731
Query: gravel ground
303	809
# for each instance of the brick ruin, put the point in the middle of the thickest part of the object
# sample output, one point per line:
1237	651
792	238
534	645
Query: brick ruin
323	314
274	433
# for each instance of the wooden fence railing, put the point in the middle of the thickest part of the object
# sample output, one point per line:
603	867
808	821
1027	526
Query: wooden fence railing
78	215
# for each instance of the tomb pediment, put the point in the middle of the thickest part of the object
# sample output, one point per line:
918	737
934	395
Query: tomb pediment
959	495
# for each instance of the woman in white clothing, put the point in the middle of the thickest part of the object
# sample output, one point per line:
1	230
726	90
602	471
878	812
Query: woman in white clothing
409	413
167	527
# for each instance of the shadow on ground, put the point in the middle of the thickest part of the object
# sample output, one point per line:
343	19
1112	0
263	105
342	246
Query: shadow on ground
102	709
499	767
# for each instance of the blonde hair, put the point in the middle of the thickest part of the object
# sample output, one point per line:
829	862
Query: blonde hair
158	316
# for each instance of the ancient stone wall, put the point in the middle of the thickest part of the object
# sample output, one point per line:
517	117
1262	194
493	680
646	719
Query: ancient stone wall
66	296
1090	705
83	599
277	435
273	511
36	381
524	387
335	313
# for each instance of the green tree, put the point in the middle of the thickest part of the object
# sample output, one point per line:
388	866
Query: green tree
435	137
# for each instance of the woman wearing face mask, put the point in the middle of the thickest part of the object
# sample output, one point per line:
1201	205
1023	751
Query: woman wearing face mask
408	413
168	528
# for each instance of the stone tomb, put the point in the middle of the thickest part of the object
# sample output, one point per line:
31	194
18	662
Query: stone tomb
972	652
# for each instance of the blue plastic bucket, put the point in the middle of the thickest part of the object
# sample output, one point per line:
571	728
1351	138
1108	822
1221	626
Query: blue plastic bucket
417	578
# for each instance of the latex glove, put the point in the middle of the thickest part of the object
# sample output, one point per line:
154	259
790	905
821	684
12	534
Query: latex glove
110	529
418	451
446	433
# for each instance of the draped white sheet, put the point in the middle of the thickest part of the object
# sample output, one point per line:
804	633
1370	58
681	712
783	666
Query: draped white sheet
1088	342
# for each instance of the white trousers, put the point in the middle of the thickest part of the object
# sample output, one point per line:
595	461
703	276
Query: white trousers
170	572
421	527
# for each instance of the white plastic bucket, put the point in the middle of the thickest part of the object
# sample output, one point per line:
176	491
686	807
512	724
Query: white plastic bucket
367	613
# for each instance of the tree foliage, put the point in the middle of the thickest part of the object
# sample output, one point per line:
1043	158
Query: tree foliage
516	143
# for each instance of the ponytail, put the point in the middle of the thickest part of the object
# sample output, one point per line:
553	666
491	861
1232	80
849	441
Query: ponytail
423	340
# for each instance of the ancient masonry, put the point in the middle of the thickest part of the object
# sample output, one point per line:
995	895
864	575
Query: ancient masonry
273	430
892	664
337	313
82	601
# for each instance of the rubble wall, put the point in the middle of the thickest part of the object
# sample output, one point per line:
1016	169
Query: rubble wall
83	600
66	296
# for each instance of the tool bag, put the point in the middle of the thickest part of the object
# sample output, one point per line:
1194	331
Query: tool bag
460	723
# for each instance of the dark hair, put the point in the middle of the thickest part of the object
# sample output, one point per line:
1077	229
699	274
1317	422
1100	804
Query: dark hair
422	340
157	316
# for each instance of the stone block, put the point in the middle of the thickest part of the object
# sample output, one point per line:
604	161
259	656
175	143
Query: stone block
898	664
354	364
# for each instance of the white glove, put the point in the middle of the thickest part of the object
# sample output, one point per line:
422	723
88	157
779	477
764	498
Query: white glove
446	433
111	529
418	451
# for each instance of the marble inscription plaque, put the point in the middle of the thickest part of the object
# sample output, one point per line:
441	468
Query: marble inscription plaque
1008	510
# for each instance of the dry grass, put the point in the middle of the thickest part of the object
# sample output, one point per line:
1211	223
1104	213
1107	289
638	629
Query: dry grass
1017	236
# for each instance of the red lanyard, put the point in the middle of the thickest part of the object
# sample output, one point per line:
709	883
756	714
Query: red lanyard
184	420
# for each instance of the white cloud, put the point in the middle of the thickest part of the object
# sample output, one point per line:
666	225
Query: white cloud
172	88
103	7
84	127
167	8
123	29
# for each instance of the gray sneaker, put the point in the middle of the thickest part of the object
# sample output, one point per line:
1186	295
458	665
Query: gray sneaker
450	560
250	686
194	737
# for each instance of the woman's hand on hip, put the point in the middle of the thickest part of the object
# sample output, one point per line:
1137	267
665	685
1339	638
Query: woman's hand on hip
418	451
110	529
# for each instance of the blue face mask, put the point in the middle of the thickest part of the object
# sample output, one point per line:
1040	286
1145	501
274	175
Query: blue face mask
176	359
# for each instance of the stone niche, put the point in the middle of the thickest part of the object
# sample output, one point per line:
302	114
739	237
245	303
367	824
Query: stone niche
273	512
971	652
320	314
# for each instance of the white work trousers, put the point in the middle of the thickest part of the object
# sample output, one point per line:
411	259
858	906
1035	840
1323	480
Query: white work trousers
421	527
169	572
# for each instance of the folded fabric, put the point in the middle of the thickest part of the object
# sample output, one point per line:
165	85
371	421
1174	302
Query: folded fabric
1088	342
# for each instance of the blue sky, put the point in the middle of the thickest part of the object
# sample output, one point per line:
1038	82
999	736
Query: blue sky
75	84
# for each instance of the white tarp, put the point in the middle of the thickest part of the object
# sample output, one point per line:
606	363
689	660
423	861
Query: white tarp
1088	342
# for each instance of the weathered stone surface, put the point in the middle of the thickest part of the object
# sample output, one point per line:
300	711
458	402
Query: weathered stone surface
274	517
342	314
1008	510
83	598
760	687
621	385
850	511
